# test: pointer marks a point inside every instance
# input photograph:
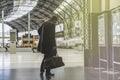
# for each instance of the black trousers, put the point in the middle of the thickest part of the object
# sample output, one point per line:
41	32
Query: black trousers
42	66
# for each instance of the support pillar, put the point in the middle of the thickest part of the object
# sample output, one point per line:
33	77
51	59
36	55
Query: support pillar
29	28
90	34
3	27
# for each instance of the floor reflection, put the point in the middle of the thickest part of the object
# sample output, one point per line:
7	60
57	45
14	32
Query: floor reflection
101	74
44	77
69	73
41	76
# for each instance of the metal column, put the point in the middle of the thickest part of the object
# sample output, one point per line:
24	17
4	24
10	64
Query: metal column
28	27
3	27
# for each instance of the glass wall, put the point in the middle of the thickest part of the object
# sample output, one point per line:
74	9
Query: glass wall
72	15
6	34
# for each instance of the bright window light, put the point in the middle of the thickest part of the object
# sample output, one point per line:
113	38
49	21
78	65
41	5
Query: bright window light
7	29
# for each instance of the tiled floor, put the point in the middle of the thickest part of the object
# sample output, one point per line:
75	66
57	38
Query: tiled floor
25	66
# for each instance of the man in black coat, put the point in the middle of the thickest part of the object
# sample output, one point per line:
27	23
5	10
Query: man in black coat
47	42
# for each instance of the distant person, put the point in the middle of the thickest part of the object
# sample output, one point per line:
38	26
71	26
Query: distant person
6	47
47	43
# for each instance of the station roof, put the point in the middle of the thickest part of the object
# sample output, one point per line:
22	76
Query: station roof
40	10
7	6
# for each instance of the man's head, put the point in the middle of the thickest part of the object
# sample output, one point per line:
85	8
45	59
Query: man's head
54	18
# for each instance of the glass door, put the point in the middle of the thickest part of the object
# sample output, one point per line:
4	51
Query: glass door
116	43
102	47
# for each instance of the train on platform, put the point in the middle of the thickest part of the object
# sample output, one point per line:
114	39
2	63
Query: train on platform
26	42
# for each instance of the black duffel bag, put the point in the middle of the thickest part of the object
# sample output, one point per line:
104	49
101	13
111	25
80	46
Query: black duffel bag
53	62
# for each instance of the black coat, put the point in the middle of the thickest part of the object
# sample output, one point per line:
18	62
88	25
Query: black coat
47	38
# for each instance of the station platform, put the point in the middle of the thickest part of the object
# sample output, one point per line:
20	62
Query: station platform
26	66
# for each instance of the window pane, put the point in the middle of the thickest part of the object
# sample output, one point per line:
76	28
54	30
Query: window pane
6	34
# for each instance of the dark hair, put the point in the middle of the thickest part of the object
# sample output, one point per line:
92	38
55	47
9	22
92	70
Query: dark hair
54	18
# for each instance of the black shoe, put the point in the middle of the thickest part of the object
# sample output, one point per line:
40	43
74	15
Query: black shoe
48	77
50	74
